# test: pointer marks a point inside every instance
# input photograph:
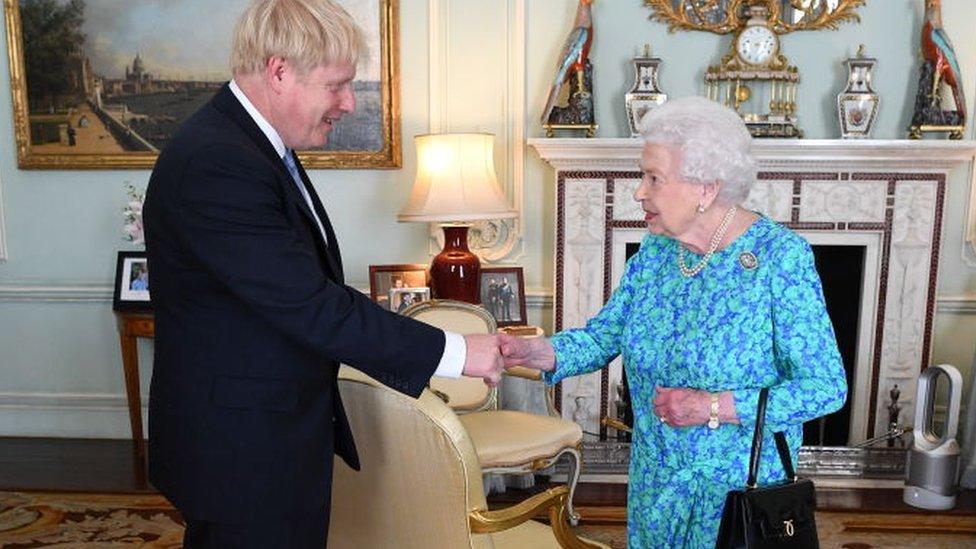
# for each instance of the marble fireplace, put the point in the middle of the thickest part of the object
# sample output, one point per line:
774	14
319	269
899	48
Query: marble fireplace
885	198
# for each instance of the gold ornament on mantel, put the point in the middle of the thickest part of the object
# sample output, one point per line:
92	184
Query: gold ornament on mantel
754	78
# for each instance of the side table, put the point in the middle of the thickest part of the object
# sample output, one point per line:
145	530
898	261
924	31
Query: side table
132	326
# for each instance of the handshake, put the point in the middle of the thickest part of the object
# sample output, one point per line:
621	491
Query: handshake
489	355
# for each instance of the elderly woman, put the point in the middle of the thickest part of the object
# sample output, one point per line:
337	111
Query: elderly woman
718	303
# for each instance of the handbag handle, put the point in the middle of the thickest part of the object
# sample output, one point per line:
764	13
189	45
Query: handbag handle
784	455
757	441
757	438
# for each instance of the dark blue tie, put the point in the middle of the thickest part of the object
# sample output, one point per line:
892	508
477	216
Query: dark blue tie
289	159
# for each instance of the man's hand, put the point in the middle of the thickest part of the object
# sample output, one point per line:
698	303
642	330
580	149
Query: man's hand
534	352
483	359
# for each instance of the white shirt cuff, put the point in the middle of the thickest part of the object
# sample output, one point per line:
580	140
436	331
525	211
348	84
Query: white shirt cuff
455	352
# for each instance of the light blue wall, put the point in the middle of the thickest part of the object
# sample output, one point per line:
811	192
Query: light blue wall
60	372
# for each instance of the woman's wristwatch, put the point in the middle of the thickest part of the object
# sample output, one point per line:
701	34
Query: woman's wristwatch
713	411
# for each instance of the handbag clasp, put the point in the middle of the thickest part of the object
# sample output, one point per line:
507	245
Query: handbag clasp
788	524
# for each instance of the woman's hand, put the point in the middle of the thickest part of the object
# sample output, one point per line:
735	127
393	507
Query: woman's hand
680	407
535	352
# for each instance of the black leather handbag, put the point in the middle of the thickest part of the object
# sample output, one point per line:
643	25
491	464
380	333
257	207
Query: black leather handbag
769	517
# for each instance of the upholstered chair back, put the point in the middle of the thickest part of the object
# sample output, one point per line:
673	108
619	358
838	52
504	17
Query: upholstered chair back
464	394
420	474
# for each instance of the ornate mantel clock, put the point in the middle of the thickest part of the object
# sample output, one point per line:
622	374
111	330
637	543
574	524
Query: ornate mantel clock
754	77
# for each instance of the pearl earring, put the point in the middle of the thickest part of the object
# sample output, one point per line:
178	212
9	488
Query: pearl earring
701	209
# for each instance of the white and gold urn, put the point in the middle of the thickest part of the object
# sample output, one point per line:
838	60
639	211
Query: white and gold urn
857	105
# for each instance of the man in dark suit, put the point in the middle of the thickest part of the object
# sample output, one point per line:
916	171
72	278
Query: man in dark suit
252	316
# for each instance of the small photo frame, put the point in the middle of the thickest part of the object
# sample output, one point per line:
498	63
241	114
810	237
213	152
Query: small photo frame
383	278
132	283
401	298
502	292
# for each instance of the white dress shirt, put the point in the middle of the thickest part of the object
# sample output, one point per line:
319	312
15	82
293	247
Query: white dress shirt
455	348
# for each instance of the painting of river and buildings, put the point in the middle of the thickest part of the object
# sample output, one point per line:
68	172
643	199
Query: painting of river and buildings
110	79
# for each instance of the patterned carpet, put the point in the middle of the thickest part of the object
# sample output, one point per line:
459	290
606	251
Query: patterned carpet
97	521
88	521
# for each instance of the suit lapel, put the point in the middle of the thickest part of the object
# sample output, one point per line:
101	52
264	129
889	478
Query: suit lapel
332	252
225	102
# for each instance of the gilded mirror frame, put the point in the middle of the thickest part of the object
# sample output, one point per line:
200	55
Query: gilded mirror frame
692	14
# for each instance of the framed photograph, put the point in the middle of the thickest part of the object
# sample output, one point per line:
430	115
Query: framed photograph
401	298
383	278
132	283
103	84
502	292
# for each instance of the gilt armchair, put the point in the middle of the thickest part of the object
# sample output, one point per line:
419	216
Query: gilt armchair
506	441
420	482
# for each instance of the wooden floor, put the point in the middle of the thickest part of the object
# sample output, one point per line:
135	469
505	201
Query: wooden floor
85	465
89	465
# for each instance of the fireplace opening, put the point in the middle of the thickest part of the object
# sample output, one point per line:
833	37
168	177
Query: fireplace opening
841	270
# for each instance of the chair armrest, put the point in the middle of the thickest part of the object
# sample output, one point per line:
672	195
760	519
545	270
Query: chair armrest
525	373
486	522
553	499
615	423
532	374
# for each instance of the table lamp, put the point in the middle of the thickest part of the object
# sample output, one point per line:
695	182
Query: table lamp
455	186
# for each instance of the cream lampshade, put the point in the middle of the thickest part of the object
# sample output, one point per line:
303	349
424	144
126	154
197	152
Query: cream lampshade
455	185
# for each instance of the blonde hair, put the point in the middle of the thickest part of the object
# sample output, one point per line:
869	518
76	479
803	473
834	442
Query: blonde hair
308	33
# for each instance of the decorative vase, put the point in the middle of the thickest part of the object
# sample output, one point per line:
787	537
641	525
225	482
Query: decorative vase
645	94
454	272
857	105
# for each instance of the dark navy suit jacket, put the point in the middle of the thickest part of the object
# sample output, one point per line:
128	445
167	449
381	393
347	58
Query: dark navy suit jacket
252	321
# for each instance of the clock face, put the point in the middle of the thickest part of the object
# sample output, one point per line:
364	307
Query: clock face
756	45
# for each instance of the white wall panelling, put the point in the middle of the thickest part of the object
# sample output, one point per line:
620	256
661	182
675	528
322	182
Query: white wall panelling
969	253
87	415
3	240
64	293
474	56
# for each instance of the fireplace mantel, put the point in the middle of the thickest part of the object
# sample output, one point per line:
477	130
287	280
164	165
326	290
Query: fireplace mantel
885	195
901	154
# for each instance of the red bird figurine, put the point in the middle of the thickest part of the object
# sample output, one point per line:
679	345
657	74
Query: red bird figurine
572	60
937	49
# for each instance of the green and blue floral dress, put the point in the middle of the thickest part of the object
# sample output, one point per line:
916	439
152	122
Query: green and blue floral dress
740	324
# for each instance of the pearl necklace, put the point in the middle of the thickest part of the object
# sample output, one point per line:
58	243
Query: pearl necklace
713	245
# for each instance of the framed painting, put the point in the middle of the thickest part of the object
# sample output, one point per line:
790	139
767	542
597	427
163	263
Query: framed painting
103	84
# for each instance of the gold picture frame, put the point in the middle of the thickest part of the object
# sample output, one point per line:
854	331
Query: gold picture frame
107	140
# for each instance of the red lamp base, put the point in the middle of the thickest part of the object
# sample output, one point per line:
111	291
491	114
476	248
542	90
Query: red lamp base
454	272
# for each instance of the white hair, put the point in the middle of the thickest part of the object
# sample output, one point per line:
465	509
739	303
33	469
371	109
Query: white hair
714	143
